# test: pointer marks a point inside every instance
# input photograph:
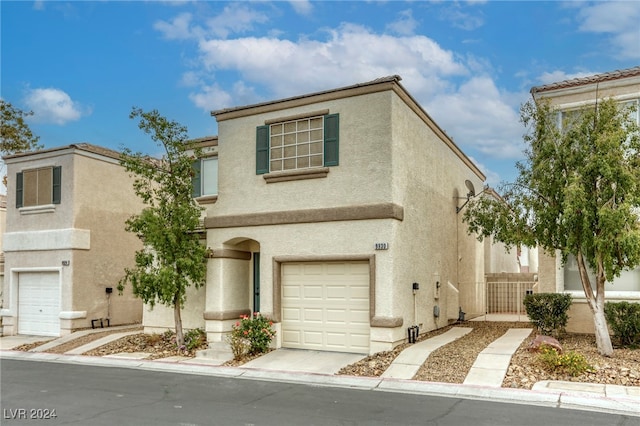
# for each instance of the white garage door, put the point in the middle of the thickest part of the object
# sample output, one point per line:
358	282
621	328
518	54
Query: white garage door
39	303
325	306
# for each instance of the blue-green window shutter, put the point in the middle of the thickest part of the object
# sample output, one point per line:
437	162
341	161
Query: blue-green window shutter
331	139
196	183
57	184
262	150
19	190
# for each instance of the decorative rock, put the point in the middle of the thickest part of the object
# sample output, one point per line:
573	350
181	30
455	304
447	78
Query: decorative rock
545	340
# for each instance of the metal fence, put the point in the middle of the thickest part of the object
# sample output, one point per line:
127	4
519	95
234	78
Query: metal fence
507	297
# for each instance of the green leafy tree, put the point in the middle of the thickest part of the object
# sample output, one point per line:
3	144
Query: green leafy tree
578	193
172	258
15	134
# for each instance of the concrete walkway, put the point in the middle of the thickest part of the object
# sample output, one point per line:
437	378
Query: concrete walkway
492	363
407	364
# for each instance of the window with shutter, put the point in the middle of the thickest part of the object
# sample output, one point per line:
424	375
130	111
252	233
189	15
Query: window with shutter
39	187
298	144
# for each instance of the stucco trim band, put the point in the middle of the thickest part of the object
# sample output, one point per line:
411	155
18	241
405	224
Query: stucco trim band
229	254
312	173
57	239
332	214
225	315
277	277
297	116
387	322
70	315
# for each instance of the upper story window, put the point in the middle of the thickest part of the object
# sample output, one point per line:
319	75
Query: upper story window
567	118
297	144
205	180
38	187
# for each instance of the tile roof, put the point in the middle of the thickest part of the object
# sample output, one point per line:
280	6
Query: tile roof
596	78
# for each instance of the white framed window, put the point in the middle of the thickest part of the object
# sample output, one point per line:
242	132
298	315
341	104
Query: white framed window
205	180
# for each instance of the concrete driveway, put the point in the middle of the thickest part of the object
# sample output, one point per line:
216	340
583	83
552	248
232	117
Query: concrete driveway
321	362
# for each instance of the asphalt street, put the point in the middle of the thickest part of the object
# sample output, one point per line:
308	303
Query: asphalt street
34	392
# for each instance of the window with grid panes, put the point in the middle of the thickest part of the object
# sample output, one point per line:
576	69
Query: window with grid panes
296	144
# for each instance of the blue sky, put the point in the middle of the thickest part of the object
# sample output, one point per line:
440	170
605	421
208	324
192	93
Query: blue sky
82	65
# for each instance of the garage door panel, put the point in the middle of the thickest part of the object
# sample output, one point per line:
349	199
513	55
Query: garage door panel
291	314
39	303
338	292
359	317
313	292
311	269
313	338
334	306
292	337
313	315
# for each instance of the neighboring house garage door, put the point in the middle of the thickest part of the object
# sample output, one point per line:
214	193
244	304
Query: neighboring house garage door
325	306
39	303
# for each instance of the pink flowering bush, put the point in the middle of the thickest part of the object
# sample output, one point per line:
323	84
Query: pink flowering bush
256	330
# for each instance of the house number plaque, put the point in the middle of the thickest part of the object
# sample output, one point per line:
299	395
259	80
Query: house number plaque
382	246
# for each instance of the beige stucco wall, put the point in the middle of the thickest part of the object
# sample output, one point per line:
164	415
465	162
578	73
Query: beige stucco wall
86	230
387	155
161	318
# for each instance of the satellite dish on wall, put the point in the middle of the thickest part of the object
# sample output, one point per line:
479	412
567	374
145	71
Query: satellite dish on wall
470	187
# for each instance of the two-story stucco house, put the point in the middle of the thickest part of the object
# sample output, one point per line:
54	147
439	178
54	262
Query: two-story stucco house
65	242
335	214
567	96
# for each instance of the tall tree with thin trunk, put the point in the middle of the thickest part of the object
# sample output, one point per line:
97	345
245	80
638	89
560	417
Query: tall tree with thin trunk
577	193
173	257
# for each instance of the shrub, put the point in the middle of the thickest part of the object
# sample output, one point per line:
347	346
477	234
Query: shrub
624	320
256	329
239	345
194	338
568	363
548	311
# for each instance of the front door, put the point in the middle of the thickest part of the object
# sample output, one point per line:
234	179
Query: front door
256	282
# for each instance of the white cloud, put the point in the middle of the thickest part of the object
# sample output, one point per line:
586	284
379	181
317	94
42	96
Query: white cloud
235	18
620	20
53	106
293	67
461	19
211	98
405	24
302	7
179	28
478	115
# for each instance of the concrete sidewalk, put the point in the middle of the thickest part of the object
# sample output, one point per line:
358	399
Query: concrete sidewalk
407	364
492	363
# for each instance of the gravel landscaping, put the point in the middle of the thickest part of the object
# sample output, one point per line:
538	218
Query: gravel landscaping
448	364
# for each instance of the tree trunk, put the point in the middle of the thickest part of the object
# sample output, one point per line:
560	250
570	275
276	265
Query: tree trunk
596	305
603	339
178	321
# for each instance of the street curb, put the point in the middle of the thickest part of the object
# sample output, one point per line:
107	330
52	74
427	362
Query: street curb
568	400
